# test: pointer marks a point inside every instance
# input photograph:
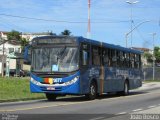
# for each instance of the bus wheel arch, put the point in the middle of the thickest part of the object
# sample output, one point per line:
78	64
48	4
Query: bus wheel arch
125	90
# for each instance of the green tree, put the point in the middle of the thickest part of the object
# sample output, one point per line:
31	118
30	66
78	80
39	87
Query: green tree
15	35
66	32
157	54
148	56
24	42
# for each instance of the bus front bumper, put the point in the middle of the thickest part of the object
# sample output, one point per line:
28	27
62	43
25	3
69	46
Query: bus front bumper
70	88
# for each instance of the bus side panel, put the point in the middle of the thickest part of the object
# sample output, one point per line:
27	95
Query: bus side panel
113	82
135	80
107	80
84	81
87	76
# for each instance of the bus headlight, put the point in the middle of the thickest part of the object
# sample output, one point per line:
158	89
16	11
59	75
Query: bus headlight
34	81
72	81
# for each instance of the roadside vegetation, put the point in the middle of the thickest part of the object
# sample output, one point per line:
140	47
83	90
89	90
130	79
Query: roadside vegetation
147	81
16	89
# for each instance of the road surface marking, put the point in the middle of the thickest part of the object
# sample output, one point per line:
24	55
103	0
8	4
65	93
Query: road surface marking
121	113
98	118
47	106
137	110
152	106
40	107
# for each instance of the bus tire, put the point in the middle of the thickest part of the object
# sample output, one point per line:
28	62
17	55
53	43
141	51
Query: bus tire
51	97
125	89
92	91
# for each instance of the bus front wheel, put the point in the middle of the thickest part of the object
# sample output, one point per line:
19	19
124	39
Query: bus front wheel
51	97
92	91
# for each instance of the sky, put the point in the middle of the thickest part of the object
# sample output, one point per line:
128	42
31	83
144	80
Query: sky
110	19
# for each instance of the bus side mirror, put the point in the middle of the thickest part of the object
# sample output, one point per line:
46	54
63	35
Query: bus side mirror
27	55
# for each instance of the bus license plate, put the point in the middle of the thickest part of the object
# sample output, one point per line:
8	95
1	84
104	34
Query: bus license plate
50	88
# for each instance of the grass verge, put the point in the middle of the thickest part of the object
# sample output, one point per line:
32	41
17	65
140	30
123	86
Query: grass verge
16	89
148	81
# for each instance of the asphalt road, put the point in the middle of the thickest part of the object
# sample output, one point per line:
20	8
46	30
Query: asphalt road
78	108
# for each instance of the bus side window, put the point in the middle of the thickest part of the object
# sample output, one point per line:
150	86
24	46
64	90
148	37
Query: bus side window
114	58
84	57
109	57
127	64
132	60
118	59
85	54
140	62
95	55
105	57
137	61
121	59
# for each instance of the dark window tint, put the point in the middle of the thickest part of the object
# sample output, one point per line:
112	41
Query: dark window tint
95	55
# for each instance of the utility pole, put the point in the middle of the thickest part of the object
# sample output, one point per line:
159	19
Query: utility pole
131	15
126	35
153	35
2	69
89	21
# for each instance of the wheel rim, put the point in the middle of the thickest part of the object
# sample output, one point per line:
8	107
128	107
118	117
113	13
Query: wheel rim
126	88
93	90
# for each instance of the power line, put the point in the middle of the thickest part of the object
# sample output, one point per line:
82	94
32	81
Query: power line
60	21
64	21
10	25
139	33
23	17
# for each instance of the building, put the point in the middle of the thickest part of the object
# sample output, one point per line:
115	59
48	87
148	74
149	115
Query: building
30	36
3	35
143	49
10	52
144	59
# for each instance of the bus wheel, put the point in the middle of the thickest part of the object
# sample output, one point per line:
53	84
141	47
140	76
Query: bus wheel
126	88
92	91
51	97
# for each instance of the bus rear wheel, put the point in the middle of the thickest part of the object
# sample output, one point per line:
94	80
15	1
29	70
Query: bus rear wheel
125	89
92	91
51	97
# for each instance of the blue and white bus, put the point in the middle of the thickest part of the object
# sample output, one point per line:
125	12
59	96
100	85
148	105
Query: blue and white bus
66	65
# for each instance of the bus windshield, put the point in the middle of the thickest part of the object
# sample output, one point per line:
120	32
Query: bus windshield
57	59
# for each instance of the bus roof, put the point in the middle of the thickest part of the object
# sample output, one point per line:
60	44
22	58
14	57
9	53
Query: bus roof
111	46
94	42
